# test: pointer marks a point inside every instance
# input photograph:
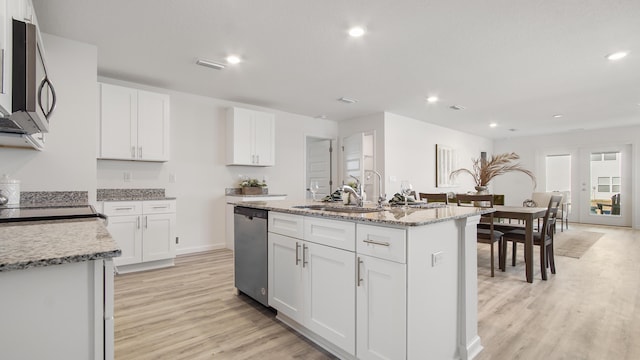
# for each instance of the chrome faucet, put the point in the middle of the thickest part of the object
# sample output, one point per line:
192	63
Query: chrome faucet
381	197
356	194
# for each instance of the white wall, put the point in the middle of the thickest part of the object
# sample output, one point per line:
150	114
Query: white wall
410	153
532	151
68	161
198	162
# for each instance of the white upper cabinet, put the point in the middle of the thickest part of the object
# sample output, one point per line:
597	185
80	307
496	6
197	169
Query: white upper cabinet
134	124
250	137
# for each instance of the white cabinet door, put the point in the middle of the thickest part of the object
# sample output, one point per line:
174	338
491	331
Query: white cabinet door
118	122
329	296
158	238
153	126
264	135
251	137
127	232
382	309
285	275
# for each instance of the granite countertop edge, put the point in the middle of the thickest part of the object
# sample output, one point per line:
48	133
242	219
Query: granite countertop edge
60	260
130	198
35	244
390	216
256	196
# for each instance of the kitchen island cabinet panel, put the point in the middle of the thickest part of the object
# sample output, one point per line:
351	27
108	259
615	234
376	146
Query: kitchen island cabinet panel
382	309
329	296
285	275
57	312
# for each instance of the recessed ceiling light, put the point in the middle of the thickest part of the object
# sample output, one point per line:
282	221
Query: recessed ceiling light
456	107
513	130
617	55
347	100
323	116
209	63
493	125
233	59
432	99
558	116
356	31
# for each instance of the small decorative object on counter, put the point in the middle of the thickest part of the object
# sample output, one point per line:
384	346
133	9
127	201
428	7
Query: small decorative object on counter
398	199
336	196
10	188
253	187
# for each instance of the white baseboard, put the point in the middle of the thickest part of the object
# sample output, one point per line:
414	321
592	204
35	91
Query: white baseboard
201	248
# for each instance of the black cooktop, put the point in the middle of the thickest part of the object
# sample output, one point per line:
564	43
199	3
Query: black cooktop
47	213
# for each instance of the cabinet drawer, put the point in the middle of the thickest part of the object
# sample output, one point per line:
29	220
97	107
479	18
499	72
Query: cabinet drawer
286	224
159	207
115	208
382	242
339	234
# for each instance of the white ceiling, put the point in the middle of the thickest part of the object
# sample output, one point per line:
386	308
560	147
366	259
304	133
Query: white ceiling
514	62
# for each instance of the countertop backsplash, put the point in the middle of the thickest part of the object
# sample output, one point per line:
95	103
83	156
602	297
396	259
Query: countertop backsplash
131	194
53	198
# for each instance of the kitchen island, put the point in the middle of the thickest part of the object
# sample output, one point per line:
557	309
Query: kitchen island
56	281
391	284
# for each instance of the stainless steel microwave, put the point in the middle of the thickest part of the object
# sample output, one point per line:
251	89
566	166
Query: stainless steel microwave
33	97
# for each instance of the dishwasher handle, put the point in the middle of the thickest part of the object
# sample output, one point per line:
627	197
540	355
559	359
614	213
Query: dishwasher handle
251	212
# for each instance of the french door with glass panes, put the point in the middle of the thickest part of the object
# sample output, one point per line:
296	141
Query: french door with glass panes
605	185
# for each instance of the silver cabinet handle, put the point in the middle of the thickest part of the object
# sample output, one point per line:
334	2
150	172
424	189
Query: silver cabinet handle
146	222
140	152
160	207
133	152
297	258
138	222
358	274
382	243
124	208
304	255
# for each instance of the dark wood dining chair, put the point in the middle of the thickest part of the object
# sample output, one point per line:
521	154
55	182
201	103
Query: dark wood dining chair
486	233
542	238
432	197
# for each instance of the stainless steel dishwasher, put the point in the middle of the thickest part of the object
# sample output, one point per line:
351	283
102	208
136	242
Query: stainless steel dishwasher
250	252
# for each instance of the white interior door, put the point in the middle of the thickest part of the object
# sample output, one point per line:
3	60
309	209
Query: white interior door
605	185
319	165
353	157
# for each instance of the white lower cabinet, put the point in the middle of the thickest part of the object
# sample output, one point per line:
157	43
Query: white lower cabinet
285	275
314	285
381	292
144	231
382	308
329	294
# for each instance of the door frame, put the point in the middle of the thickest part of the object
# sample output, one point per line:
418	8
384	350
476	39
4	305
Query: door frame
333	163
626	187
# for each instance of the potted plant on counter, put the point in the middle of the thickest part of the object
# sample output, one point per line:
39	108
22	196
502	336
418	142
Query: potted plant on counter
253	187
484	170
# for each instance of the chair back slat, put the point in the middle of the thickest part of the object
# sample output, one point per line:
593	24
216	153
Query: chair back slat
432	197
485	201
550	216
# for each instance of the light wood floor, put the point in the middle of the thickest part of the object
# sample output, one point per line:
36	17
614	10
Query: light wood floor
589	310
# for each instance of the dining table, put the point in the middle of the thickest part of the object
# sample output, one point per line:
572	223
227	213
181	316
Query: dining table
528	215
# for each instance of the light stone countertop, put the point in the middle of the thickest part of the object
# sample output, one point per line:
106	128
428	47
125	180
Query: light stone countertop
391	215
25	245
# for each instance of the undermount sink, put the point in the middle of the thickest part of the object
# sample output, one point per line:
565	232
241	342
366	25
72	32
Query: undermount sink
343	209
